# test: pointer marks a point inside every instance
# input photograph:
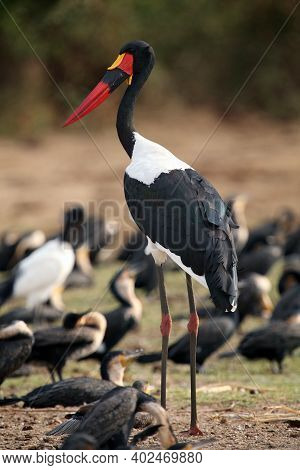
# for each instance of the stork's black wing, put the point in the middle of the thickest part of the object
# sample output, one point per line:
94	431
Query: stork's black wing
185	214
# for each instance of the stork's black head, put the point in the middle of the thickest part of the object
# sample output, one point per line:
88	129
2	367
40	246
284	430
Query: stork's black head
142	52
135	57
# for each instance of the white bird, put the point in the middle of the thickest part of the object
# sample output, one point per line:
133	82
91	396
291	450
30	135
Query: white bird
40	277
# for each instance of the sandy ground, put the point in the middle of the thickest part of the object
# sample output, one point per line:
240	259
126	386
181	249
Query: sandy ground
228	429
250	155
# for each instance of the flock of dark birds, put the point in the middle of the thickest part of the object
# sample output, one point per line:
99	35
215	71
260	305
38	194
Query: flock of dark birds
109	410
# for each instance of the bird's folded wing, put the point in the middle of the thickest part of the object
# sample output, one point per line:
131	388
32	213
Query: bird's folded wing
74	421
9	351
67	427
111	414
52	336
183	218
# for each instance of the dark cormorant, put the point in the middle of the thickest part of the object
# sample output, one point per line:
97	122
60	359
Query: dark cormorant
16	342
292	245
76	391
272	342
43	313
266	244
288	306
291	273
110	421
80	336
73	421
259	260
272	231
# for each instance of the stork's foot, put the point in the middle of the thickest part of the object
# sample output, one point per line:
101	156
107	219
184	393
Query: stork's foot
195	431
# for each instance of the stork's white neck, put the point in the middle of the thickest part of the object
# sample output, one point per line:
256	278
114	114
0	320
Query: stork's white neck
149	160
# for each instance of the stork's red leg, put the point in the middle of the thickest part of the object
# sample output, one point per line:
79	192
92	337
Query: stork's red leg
193	325
165	328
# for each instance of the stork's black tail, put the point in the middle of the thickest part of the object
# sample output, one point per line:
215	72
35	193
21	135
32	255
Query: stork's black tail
10	401
221	273
227	355
6	289
146	358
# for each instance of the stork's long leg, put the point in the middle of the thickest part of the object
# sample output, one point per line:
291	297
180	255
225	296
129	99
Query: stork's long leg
193	330
165	328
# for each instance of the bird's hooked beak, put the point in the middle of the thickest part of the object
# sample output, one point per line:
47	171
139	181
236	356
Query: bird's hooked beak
116	74
129	356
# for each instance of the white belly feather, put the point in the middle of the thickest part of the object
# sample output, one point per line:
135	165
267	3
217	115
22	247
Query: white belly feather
160	254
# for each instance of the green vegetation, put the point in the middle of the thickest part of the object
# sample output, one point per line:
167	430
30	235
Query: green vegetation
205	51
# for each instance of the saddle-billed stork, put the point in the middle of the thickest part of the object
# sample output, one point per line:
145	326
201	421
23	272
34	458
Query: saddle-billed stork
181	213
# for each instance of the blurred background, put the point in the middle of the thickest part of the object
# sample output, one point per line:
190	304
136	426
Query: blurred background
53	52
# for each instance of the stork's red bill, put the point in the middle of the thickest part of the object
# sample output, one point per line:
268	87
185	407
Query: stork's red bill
116	74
